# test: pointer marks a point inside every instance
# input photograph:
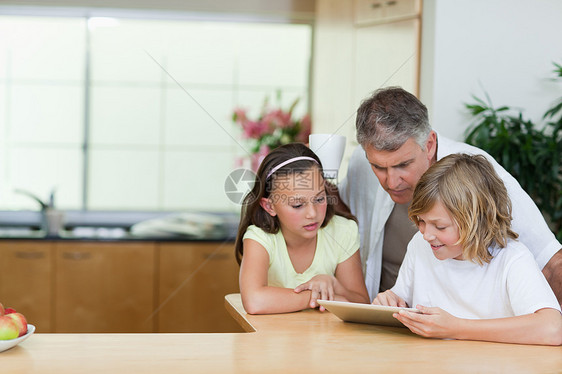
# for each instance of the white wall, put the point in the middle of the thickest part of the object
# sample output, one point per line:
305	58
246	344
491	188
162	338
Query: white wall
503	47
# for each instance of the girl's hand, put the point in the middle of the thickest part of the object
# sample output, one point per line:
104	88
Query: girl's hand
322	286
389	298
431	322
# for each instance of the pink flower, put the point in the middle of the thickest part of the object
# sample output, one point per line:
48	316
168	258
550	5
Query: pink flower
258	157
277	119
239	115
254	130
272	128
306	126
239	162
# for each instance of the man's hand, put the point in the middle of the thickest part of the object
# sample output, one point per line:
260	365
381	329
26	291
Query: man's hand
553	274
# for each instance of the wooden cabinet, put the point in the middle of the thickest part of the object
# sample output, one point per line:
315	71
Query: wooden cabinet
96	286
26	274
386	54
194	278
360	46
104	287
376	11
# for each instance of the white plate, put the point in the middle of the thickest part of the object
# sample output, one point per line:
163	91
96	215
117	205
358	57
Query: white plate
7	344
365	313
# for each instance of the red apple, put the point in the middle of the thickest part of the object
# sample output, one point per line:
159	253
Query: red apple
20	320
8	328
1	309
9	310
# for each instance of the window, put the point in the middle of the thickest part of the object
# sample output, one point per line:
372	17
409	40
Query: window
135	114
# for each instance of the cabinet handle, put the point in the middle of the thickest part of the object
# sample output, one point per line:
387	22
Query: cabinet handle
216	256
376	5
390	3
30	255
77	256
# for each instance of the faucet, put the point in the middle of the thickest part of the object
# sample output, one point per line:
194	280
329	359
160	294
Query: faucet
44	205
51	219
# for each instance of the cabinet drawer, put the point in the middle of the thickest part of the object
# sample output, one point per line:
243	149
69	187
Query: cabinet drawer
194	278
379	11
104	287
26	280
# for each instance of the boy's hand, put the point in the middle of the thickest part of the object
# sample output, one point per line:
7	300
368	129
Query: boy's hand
431	322
389	298
322	286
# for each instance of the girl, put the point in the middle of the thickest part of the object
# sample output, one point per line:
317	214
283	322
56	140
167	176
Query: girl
470	278
291	248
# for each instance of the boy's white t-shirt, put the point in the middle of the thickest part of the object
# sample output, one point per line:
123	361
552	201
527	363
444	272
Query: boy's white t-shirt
510	285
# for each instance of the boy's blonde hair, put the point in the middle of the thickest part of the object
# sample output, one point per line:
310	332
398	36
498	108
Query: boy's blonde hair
476	198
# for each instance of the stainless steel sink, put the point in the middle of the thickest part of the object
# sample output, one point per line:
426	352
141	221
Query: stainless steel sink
98	225
21	232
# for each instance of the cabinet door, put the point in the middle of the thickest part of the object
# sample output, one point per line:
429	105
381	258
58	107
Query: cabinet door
378	11
358	50
25	280
104	287
194	278
387	55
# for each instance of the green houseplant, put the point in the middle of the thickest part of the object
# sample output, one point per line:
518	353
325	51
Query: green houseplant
531	153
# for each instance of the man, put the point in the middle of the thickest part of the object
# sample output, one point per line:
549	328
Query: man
397	147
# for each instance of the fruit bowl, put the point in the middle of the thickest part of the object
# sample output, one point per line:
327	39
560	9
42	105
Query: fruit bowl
7	344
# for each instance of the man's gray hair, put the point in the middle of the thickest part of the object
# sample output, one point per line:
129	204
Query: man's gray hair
389	117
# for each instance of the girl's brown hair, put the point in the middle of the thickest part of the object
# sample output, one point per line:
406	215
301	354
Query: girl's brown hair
476	198
252	213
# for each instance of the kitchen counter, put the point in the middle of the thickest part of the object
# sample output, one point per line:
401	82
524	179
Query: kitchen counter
105	235
307	341
123	226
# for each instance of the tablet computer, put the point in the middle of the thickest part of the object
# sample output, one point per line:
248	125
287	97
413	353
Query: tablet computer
365	313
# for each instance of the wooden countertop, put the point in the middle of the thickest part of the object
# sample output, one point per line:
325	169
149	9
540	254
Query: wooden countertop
308	341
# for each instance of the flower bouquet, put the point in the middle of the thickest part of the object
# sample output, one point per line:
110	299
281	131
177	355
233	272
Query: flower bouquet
272	128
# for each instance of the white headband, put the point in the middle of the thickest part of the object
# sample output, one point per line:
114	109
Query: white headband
288	162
